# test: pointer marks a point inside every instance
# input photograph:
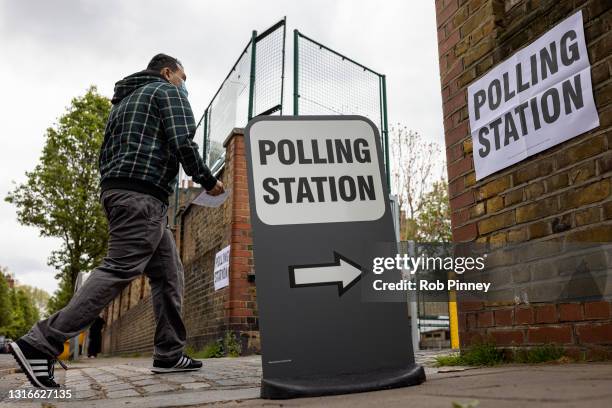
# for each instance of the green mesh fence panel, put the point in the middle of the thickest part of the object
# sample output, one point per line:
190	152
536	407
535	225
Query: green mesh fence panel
239	91
269	71
229	107
329	83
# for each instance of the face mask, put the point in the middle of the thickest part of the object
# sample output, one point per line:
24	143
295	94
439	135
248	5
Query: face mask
183	88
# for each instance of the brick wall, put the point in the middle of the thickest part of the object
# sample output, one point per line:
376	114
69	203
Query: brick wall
584	329
130	323
200	233
204	232
561	195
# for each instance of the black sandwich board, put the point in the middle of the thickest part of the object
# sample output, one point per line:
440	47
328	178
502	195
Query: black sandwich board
319	208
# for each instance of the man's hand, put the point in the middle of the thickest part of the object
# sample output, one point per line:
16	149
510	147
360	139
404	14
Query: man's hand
217	189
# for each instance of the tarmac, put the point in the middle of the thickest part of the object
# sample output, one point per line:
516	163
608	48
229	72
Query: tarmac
234	382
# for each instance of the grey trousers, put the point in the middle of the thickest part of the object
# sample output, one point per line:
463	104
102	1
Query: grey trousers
139	242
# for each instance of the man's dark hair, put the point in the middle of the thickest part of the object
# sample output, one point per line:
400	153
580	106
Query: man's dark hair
161	61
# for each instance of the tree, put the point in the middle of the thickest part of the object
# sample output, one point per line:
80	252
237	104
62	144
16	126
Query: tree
6	307
18	309
61	297
29	311
61	194
433	222
416	164
25	313
39	297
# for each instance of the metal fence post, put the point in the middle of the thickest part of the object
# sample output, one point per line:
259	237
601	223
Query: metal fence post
252	79
205	137
413	306
295	72
382	120
385	129
283	65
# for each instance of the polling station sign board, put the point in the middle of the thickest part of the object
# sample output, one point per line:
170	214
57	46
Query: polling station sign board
319	207
539	97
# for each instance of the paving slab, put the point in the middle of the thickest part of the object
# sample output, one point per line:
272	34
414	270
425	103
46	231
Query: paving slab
559	386
128	382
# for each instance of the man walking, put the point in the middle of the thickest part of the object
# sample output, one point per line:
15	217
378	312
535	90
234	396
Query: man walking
148	133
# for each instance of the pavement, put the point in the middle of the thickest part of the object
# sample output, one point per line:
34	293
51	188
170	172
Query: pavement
232	382
7	365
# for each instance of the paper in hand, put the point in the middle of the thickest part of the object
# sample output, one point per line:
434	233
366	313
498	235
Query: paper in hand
206	200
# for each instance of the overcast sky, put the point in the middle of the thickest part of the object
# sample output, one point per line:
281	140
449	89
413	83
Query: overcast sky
54	50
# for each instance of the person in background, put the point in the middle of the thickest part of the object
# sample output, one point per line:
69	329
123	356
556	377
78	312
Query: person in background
95	337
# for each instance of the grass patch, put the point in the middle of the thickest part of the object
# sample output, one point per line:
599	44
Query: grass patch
449	360
486	354
231	345
211	350
228	346
483	354
540	354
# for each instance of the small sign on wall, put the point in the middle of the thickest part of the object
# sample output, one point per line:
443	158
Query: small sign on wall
539	97
221	272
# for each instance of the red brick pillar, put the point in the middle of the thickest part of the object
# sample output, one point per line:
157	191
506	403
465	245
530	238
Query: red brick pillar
242	299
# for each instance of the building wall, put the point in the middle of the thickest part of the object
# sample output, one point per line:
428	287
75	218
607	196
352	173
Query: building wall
561	195
200	233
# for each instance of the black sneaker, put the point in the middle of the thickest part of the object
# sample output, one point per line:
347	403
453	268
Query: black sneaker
183	363
37	366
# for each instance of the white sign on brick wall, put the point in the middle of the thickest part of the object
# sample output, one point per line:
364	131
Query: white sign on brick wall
539	97
221	271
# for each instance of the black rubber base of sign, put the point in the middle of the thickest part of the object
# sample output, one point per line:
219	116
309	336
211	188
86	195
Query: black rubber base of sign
341	384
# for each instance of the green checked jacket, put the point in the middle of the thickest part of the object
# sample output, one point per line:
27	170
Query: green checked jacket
150	131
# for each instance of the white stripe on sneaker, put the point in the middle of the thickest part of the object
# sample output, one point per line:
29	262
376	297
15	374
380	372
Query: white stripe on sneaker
179	362
23	363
